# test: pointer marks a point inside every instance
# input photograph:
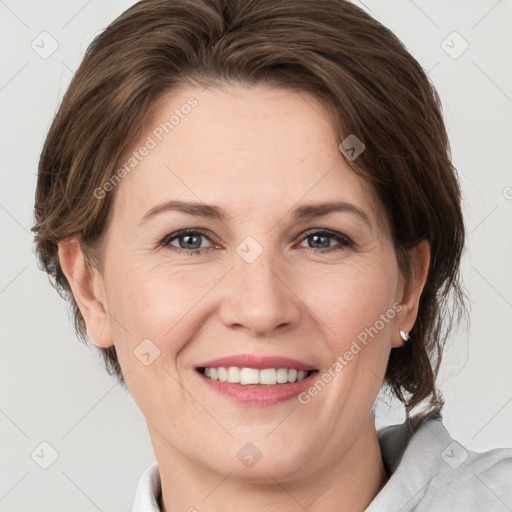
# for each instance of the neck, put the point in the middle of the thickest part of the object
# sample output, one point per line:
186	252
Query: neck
347	485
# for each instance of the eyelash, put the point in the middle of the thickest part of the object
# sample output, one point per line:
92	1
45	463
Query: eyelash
343	241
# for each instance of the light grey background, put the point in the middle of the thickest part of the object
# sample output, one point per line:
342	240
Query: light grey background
54	390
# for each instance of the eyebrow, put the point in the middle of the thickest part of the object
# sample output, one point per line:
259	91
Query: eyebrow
306	211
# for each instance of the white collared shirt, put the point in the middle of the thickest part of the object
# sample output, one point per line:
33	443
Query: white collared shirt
430	472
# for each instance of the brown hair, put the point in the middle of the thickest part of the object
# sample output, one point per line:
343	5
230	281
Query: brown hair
329	48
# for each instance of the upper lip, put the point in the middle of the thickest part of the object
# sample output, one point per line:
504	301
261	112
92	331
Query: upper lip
256	361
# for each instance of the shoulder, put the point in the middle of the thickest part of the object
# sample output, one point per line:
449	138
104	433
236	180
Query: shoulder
431	471
472	481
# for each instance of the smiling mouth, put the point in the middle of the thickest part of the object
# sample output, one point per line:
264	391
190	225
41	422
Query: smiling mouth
252	376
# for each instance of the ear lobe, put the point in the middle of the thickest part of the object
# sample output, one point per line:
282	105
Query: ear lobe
87	288
420	262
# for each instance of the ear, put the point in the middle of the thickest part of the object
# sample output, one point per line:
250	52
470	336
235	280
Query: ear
411	293
88	289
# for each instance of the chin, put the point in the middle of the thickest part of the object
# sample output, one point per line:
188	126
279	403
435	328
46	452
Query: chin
262	461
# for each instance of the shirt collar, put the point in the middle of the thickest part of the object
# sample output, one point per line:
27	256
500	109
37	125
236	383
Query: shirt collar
148	492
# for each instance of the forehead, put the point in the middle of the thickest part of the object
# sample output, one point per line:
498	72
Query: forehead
255	149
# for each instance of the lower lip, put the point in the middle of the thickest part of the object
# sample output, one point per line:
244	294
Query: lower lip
260	394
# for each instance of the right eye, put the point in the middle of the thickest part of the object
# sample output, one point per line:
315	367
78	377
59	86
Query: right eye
187	240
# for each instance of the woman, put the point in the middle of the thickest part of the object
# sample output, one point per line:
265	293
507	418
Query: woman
252	210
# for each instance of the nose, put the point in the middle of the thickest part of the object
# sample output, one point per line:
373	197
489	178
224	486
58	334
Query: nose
261	298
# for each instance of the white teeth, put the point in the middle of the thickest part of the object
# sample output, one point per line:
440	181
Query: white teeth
282	375
223	374
249	376
292	375
245	376
268	376
234	374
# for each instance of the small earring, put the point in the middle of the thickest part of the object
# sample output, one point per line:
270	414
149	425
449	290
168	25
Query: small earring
98	334
405	337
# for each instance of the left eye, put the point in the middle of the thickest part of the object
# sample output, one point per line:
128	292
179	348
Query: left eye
321	240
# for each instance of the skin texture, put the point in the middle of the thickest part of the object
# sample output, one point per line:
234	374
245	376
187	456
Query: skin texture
258	153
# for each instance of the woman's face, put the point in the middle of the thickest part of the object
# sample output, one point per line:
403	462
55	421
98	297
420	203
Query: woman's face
253	275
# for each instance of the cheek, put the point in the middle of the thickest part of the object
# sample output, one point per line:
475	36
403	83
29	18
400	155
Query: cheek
156	303
352	301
